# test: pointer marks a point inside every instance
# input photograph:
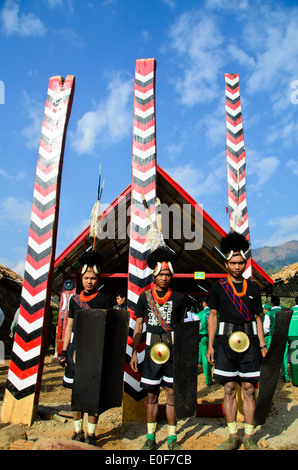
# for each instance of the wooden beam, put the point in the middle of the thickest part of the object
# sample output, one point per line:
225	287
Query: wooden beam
143	183
26	365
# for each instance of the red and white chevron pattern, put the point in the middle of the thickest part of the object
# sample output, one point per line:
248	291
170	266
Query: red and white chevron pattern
27	354
143	183
236	162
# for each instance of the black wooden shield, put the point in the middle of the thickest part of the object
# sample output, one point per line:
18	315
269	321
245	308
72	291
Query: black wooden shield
100	358
185	359
271	365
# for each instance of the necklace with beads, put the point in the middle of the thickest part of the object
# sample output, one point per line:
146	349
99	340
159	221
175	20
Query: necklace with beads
244	287
161	300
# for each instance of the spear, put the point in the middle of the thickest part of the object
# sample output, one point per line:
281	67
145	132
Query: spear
95	214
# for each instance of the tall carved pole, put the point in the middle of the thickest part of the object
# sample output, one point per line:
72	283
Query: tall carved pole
143	183
236	163
25	370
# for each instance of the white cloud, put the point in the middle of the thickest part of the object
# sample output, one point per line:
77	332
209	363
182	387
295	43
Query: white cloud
15	210
34	111
19	268
170	3
198	40
109	122
145	35
23	24
286	130
231	5
70	232
214	124
60	3
242	57
293	165
260	169
277	52
197	182
284	229
19	176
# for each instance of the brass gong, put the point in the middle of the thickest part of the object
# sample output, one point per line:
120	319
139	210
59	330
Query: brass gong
239	341
159	353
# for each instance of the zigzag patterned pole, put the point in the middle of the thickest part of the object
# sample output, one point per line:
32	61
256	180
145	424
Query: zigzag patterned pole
143	183
236	163
25	369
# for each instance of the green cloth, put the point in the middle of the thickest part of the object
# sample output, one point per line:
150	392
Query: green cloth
203	317
293	328
203	345
293	345
271	314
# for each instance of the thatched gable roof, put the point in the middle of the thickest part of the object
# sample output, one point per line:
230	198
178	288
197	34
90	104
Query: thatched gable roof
286	273
10	274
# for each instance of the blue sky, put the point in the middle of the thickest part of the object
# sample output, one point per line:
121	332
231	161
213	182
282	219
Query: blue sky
194	44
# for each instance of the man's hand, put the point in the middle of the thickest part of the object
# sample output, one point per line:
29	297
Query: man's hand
210	355
264	351
134	362
62	359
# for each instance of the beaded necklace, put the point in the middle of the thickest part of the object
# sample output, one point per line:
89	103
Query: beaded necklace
244	287
161	300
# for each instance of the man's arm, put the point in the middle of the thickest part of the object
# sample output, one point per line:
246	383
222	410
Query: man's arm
137	336
66	341
260	332
212	328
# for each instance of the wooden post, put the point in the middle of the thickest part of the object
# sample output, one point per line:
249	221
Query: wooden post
25	370
236	169
143	183
236	163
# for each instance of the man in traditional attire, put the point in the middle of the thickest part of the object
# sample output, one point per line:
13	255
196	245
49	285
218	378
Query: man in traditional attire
162	309
236	303
89	298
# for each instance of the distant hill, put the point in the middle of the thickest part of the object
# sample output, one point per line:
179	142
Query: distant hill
273	258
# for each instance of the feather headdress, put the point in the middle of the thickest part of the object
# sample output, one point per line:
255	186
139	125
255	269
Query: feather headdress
232	243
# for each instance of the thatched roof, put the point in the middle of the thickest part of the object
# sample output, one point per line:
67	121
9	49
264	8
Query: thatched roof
6	273
286	273
10	275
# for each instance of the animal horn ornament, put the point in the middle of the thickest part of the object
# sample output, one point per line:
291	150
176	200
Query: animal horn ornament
239	341
159	353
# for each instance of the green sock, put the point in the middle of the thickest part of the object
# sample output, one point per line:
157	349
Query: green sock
150	437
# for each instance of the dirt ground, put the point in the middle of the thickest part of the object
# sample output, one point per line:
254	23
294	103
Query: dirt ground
280	431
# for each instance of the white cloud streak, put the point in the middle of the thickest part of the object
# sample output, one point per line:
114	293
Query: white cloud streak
110	120
197	182
14	22
282	229
31	133
198	40
15	210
